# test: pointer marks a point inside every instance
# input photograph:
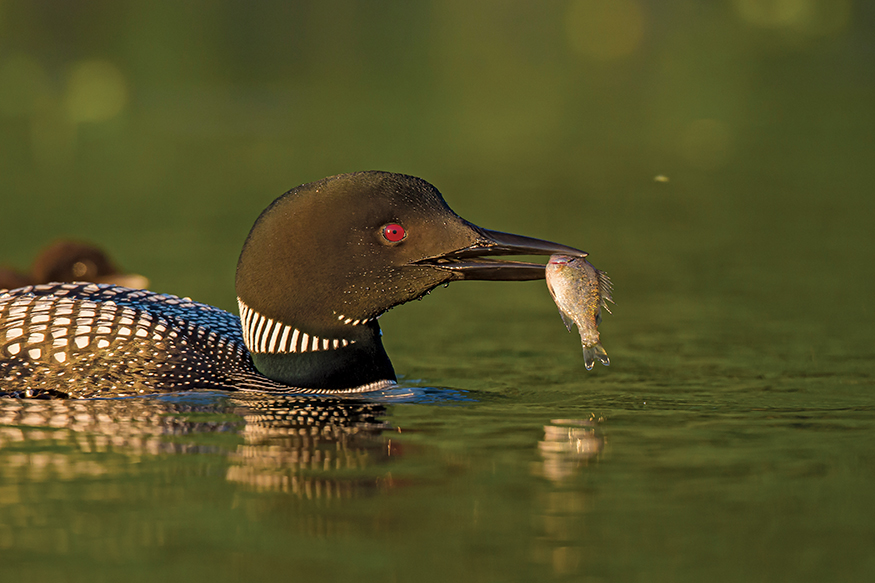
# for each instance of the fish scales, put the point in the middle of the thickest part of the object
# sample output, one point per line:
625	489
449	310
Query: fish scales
580	292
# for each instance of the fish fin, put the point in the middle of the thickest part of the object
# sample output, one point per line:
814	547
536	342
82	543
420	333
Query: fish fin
552	293
593	353
566	319
605	289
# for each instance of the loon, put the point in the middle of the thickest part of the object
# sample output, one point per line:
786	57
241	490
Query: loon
317	269
68	260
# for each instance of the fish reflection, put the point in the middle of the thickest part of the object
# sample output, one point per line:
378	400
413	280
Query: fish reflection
290	443
568	444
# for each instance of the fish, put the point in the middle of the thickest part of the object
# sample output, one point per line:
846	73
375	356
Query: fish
580	292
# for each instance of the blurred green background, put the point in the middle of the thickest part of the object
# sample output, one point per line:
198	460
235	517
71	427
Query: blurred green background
716	158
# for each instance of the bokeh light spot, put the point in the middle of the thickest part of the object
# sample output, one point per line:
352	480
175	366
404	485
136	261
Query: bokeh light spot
604	29
773	12
811	17
96	91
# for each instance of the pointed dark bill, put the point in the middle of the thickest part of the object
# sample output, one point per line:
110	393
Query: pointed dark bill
476	261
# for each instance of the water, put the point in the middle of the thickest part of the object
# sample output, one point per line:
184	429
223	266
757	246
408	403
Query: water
699	466
730	439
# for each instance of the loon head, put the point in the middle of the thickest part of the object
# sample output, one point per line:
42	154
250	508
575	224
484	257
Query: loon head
325	259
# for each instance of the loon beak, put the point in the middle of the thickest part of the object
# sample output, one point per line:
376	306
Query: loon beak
475	262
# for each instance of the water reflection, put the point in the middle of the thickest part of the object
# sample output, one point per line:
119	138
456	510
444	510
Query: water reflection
568	444
567	447
296	444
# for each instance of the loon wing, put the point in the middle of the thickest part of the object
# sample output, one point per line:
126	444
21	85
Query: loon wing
92	340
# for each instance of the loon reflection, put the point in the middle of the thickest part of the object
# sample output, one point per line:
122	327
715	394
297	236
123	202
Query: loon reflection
319	454
312	446
309	446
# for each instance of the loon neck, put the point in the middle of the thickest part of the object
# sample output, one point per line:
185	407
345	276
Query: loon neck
340	355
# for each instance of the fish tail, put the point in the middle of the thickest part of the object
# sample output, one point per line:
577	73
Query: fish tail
593	353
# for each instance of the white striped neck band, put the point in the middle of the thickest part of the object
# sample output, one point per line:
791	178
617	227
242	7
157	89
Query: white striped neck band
265	335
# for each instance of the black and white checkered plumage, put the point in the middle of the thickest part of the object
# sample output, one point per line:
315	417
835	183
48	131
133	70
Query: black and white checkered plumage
93	340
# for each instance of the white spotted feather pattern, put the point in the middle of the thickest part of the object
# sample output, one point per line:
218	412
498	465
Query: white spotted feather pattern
93	340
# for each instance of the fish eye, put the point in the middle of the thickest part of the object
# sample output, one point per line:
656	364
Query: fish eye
393	232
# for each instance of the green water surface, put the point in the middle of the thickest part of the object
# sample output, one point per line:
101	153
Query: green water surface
715	158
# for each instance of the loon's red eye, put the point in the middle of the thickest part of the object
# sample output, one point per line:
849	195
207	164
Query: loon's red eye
394	232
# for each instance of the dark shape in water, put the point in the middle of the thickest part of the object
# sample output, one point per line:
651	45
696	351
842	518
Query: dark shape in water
66	260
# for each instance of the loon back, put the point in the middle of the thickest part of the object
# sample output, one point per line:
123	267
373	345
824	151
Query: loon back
98	340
